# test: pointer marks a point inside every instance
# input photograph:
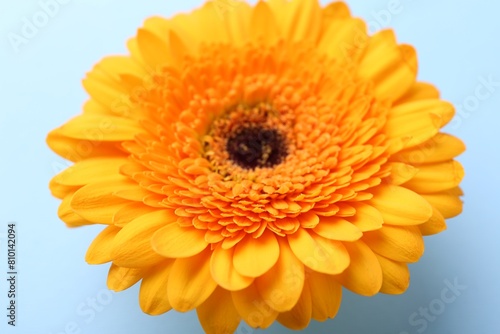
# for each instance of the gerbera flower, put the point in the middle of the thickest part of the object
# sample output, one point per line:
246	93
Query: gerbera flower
250	165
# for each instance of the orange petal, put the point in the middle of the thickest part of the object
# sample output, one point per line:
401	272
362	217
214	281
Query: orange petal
281	286
447	202
96	203
122	278
153	297
132	245
317	253
364	275
84	172
436	177
254	257
299	317
440	148
174	241
391	67
434	225
367	218
400	206
398	243
326	295
190	282
217	314
252	308
396	276
99	251
336	228
223	272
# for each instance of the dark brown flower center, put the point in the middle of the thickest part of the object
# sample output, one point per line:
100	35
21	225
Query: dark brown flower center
254	146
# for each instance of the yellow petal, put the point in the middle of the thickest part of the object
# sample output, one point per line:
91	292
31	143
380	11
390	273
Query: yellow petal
447	202
120	106
308	219
130	212
153	297
154	50
122	278
411	124
96	203
254	257
263	24
436	177
396	276
105	90
303	21
364	275
223	272
280	9
403	244
78	149
252	308
434	225
440	148
174	241
135	53
326	295
367	218
132	245
400	206
94	129
110	83
99	251
335	11
299	317
208	19
389	66
336	228
68	215
401	173
317	253
115	66
61	191
419	91
217	314
281	286
190	282
84	172
344	39
238	22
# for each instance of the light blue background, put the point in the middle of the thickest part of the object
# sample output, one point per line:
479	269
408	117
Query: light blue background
458	44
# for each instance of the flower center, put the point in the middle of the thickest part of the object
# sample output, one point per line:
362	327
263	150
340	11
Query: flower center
254	146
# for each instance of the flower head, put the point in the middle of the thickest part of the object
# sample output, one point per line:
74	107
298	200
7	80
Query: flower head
250	165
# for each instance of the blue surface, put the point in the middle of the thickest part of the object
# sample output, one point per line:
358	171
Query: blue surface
458	47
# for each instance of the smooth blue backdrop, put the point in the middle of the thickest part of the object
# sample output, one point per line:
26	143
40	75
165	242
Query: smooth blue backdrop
458	44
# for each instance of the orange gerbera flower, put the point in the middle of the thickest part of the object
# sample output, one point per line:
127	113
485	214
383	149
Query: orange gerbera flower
248	165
